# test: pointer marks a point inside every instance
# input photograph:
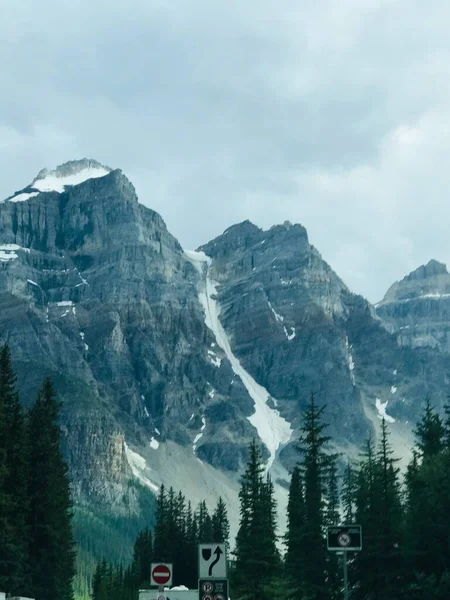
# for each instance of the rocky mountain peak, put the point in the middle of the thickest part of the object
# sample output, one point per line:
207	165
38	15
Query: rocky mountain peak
66	175
237	237
417	307
431	269
73	172
430	280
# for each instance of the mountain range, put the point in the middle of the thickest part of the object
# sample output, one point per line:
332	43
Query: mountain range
169	362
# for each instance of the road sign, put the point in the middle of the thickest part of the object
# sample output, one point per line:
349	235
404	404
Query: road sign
212	561
346	538
161	574
213	589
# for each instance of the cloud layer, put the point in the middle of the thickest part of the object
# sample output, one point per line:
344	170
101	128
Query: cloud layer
332	114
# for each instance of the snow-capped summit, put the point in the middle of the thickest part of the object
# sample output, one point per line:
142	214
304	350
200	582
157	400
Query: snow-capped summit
70	173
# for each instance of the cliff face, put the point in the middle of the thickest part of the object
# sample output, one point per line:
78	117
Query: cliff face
298	330
417	308
96	292
169	362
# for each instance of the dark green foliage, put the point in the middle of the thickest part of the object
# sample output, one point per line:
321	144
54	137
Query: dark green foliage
37	557
348	494
14	575
379	567
177	532
428	500
294	539
142	559
332	517
51	548
220	523
315	466
430	433
257	559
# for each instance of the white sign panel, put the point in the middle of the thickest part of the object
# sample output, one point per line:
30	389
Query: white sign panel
169	594
212	561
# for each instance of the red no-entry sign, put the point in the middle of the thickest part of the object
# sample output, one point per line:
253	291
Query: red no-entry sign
161	574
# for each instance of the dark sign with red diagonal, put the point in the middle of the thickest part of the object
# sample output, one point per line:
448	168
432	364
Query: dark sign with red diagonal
344	538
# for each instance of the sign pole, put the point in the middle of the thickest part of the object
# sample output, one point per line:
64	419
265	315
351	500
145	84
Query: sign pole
345	576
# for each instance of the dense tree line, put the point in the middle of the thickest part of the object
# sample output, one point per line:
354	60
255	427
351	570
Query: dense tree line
36	546
405	521
177	533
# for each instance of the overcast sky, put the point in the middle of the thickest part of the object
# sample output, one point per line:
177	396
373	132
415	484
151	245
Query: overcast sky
331	113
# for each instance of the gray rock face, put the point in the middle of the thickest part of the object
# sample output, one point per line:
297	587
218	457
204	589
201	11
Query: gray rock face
95	292
297	329
417	308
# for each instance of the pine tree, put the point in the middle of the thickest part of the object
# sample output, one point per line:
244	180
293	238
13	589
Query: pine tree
348	494
50	510
161	550
315	465
379	511
447	424
332	517
142	559
100	582
14	575
428	499
205	525
294	539
430	433
220	523
257	559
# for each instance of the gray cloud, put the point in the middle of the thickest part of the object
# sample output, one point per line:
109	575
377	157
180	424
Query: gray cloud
335	115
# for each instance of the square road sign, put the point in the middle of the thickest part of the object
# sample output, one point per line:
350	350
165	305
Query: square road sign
343	538
212	561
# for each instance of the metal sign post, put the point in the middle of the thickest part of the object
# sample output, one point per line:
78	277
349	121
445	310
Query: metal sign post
344	538
345	576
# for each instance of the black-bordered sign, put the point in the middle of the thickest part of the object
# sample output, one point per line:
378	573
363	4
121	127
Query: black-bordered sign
344	538
213	589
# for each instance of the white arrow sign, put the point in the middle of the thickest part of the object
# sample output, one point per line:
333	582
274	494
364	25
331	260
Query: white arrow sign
212	561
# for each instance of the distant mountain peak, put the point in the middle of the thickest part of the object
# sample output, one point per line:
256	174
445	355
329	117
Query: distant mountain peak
73	172
427	281
432	268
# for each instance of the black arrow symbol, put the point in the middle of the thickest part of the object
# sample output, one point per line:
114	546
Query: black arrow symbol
218	552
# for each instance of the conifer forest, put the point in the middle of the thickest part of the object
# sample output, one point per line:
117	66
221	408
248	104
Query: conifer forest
404	517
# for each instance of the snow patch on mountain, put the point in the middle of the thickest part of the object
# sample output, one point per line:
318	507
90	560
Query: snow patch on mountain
277	316
139	467
9	252
154	443
273	430
432	295
216	361
22	197
72	173
350	361
280	319
381	408
199	436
